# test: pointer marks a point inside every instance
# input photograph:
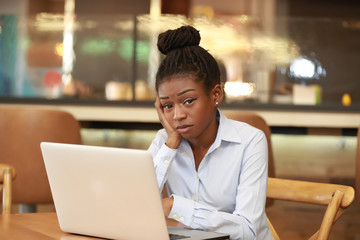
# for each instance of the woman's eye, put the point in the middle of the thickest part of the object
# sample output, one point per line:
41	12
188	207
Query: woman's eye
167	106
189	101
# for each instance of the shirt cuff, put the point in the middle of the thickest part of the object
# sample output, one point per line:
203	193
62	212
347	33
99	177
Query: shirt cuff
164	157
182	210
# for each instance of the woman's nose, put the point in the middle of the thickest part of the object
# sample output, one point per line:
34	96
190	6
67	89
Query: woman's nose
179	113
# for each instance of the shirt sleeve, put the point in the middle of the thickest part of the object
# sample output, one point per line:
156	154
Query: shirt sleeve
201	216
247	219
163	156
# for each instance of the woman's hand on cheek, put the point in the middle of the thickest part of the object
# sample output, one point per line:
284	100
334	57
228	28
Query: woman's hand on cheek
174	138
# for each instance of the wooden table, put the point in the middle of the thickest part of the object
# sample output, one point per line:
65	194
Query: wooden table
39	226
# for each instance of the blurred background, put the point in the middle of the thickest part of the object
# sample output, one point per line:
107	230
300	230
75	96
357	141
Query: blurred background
296	57
274	52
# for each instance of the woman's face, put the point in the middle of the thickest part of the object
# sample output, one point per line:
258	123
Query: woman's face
187	107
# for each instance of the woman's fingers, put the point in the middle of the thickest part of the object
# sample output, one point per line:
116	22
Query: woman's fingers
174	138
160	112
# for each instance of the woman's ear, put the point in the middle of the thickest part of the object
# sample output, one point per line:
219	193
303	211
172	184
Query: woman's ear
217	94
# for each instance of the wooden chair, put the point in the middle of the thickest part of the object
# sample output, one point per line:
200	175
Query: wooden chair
357	169
7	175
336	197
22	129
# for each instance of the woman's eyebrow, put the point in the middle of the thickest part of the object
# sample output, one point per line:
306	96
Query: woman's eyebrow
185	91
179	94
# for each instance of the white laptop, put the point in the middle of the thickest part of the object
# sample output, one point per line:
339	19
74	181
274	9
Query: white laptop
109	193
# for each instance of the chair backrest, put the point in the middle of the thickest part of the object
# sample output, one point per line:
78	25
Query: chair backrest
357	170
257	121
333	196
7	174
22	129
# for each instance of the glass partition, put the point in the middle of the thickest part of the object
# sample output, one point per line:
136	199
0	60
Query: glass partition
111	59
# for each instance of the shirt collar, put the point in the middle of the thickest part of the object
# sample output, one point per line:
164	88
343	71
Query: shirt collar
226	132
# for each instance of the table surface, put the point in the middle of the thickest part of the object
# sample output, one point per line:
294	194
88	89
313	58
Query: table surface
39	226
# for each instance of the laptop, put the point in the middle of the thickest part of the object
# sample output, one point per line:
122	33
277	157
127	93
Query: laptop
109	193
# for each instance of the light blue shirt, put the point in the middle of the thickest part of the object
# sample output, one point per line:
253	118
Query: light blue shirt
228	192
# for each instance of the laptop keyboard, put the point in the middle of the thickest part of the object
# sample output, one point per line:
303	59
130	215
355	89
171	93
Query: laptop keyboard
176	236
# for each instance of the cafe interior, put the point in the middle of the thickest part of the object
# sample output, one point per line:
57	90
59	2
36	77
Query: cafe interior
288	67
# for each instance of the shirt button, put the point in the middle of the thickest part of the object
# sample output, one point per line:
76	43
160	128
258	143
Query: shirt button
182	219
175	215
197	176
195	198
166	162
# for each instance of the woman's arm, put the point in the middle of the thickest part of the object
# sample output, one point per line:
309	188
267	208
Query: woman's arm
163	147
163	156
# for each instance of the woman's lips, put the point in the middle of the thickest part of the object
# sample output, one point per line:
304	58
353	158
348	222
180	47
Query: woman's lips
183	129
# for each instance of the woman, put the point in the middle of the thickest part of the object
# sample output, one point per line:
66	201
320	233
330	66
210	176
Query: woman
214	168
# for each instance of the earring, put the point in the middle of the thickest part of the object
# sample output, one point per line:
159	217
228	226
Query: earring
216	103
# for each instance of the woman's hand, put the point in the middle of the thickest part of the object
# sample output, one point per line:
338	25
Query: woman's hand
167	204
174	138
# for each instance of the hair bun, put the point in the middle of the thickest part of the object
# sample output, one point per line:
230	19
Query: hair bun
178	38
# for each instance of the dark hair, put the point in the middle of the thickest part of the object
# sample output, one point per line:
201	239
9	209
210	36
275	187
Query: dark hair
185	56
